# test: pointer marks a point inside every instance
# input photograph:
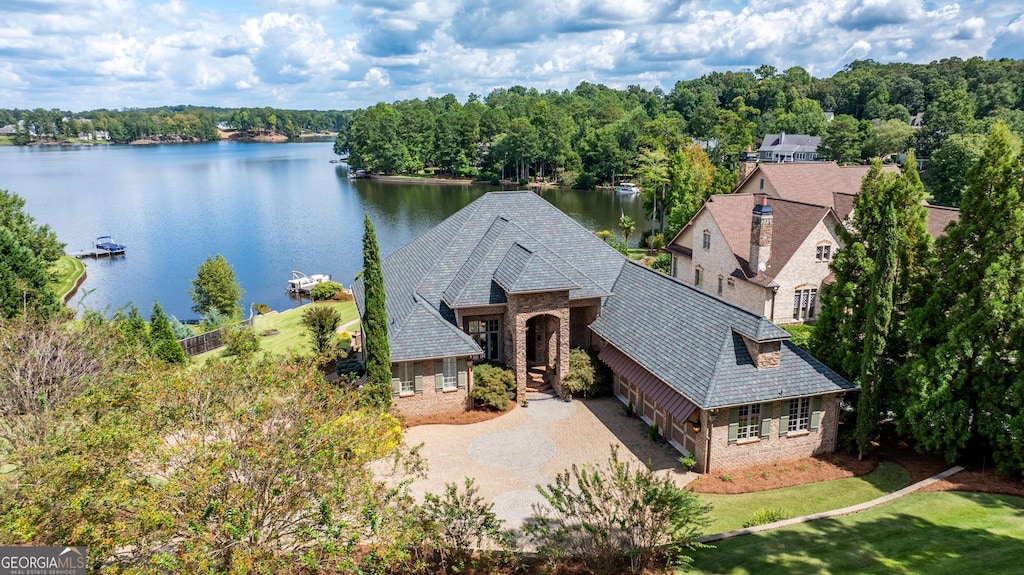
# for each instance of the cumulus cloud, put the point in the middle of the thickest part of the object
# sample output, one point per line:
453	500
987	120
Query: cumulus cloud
970	29
333	53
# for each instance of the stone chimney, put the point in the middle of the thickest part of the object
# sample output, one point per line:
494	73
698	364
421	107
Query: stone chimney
766	354
760	236
748	161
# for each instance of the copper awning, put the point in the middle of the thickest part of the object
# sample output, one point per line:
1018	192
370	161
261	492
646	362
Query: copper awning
664	395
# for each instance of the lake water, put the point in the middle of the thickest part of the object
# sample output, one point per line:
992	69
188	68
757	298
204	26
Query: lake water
268	208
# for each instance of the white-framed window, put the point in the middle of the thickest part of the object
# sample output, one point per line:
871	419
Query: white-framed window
761	186
698	276
799	414
804	301
451	373
706	242
407	377
749	421
823	253
485	332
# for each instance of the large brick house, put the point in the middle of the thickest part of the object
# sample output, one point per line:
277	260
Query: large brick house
768	256
510	278
767	246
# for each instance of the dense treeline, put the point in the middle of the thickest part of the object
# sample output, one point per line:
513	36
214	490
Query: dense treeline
597	132
171	121
932	333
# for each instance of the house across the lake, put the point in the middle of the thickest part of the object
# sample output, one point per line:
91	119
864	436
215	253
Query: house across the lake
511	279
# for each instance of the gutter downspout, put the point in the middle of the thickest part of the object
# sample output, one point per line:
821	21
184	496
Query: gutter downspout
707	445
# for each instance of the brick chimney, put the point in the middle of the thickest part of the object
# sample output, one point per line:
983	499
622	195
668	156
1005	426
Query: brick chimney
760	236
748	161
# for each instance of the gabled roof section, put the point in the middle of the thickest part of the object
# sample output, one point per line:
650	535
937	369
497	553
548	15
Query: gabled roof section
523	271
686	342
792	222
813	182
471	268
424	334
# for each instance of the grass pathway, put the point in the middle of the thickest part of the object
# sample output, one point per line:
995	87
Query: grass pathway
66	272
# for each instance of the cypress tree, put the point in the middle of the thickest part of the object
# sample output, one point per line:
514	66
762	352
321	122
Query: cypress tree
161	337
965	385
876	332
377	389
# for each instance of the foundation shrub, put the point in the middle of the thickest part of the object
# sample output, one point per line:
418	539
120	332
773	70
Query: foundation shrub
493	386
587	376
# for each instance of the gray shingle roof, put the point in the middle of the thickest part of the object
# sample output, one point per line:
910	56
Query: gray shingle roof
522	271
688	339
454	263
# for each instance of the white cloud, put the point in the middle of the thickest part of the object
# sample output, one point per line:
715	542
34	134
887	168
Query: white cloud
375	79
970	29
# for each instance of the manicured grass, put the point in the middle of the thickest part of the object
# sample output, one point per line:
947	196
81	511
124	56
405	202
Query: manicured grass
945	532
731	511
292	336
66	272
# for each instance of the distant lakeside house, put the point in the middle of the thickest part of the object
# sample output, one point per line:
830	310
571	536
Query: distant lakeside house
511	279
783	147
767	246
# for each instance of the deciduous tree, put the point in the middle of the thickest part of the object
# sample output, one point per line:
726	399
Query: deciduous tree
215	288
24	281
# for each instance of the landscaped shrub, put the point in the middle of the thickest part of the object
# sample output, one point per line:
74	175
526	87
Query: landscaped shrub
767	515
181	331
459	523
587	376
493	386
326	290
585	181
262	308
662	263
240	340
321	321
213	320
616	517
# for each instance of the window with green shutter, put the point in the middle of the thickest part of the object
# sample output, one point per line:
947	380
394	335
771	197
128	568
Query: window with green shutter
463	376
419	377
766	420
734	424
815	413
396	382
784	419
438	375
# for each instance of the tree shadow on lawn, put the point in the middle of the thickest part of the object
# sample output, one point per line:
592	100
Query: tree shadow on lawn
632	433
881	541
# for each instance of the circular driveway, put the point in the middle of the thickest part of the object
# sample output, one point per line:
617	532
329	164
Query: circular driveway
510	455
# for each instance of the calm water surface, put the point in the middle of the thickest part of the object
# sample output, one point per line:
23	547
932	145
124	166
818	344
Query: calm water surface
268	208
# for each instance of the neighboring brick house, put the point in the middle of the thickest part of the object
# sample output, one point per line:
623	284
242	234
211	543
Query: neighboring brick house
510	278
783	147
768	256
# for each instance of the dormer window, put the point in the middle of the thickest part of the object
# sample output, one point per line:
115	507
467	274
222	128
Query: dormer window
706	240
823	253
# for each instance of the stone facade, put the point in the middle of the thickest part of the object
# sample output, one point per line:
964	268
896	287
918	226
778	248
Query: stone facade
772	448
519	310
429	400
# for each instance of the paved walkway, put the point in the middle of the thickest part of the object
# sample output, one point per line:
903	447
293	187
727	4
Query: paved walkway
509	455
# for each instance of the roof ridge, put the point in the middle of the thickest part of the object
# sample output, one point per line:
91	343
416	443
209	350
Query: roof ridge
706	400
560	258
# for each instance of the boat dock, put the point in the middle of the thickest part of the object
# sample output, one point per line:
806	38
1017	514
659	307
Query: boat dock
96	253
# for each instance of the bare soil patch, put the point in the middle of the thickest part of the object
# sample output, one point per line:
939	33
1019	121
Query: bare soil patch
783	474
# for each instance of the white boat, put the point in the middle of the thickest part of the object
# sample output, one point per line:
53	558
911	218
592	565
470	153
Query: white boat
301	283
628	188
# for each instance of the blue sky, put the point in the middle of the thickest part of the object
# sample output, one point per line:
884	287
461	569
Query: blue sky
328	54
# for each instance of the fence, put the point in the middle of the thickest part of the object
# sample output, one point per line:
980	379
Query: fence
204	342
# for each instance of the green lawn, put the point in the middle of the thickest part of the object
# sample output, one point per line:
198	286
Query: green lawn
946	532
731	511
66	270
292	336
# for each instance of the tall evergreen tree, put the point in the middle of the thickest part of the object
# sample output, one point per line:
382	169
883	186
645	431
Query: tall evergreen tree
876	332
838	337
377	389
133	326
965	385
161	337
24	281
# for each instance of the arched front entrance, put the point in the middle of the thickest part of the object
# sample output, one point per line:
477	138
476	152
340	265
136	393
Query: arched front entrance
543	352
